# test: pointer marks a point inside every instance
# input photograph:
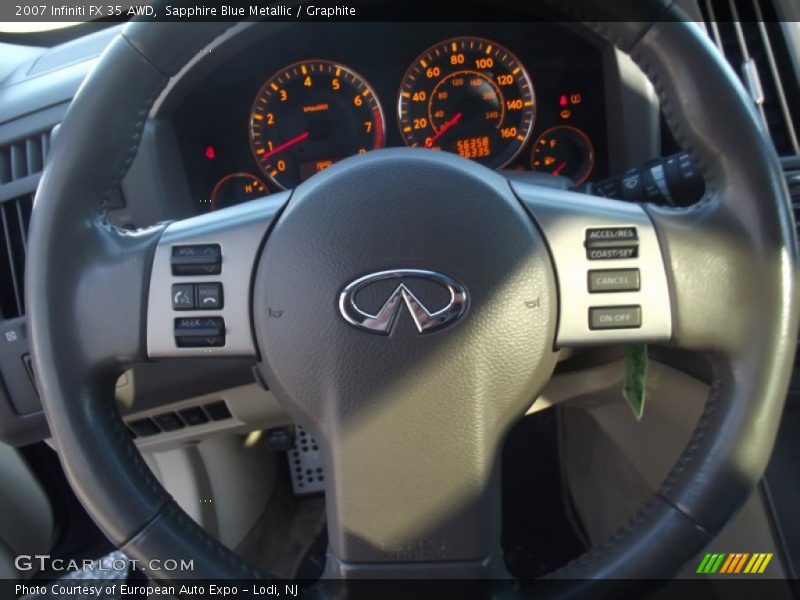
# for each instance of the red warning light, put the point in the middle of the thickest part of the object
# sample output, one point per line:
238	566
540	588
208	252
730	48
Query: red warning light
211	154
563	101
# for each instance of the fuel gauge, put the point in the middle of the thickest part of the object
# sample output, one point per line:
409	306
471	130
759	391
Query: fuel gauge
236	188
565	151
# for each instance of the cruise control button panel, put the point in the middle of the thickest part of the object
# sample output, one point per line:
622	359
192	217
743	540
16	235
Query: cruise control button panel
610	271
198	259
203	332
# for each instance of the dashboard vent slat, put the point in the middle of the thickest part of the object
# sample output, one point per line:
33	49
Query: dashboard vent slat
19	159
749	35
33	155
15	215
5	165
25	157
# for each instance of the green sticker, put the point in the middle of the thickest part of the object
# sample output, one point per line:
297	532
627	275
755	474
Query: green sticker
635	378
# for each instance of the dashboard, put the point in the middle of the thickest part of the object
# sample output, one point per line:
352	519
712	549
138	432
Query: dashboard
515	96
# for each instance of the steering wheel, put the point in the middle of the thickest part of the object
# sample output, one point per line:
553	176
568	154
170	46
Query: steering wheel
406	307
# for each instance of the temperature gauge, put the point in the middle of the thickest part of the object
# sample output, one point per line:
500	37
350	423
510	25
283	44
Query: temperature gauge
235	189
564	151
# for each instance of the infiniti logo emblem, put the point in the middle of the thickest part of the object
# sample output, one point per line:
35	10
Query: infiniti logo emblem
426	320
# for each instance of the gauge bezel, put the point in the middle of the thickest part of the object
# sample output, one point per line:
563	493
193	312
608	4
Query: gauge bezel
229	176
513	58
582	134
286	68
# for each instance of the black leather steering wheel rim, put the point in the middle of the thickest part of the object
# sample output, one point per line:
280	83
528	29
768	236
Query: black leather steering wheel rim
77	261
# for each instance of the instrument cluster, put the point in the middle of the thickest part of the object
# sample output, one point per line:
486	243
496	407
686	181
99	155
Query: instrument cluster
525	96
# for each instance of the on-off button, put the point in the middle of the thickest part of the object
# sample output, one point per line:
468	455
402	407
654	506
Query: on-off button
615	317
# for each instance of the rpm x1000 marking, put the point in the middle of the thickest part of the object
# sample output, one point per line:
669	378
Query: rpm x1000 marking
469	96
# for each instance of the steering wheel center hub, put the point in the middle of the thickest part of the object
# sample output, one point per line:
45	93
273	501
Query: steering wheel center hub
393	287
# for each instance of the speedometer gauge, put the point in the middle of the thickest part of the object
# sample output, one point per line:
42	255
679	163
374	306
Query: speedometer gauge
469	96
308	116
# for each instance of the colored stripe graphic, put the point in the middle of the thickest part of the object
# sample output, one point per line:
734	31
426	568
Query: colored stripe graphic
741	562
734	563
711	563
759	563
753	561
732	560
703	564
715	567
765	563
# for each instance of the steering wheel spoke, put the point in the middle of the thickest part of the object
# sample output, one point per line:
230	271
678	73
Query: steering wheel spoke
100	276
713	268
612	281
199	294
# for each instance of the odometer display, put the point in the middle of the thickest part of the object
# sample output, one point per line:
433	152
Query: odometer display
308	116
469	96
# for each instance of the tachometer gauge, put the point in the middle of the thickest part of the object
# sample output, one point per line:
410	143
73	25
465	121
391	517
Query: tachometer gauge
469	96
565	151
309	115
235	189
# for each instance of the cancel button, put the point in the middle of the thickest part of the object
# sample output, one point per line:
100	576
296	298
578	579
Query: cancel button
615	317
614	280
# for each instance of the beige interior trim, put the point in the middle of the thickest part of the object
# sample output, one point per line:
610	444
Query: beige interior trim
613	463
221	482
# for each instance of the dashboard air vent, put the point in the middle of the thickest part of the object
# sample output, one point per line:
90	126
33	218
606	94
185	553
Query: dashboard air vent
24	157
20	159
751	37
15	217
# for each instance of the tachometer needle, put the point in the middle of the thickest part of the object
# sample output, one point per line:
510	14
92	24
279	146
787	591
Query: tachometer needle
430	141
285	145
560	168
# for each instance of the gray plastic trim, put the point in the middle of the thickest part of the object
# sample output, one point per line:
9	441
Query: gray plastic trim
240	231
252	408
564	218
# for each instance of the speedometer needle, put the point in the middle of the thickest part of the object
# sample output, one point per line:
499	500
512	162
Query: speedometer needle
430	141
560	168
285	145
